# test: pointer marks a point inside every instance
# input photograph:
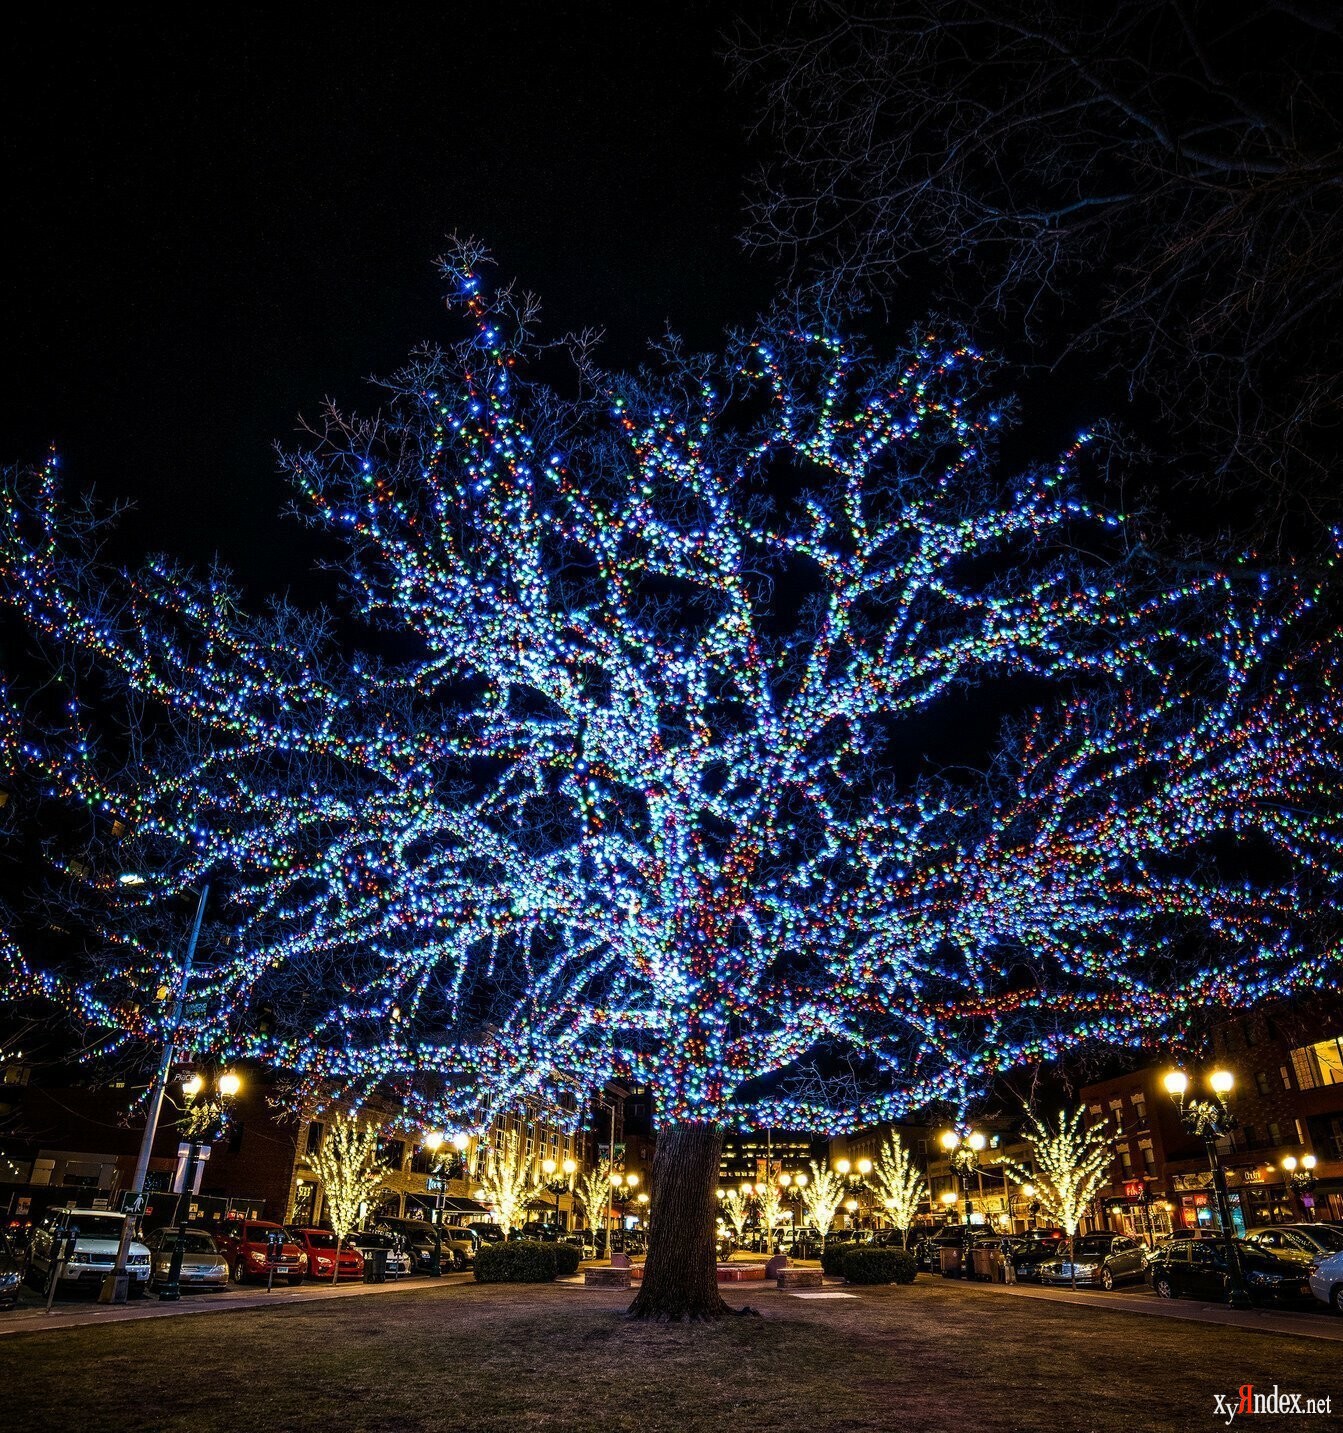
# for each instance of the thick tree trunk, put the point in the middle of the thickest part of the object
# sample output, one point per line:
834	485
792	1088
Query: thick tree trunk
680	1279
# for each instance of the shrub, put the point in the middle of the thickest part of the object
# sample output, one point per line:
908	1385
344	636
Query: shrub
878	1266
832	1259
567	1259
519	1262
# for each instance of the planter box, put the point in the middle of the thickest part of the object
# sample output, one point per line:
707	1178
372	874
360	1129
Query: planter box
740	1273
799	1279
606	1278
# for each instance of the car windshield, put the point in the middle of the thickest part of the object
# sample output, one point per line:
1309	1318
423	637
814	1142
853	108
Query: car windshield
260	1233
321	1239
1329	1239
195	1241
1092	1247
98	1226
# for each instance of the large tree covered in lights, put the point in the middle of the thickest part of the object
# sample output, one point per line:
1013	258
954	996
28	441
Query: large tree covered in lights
633	784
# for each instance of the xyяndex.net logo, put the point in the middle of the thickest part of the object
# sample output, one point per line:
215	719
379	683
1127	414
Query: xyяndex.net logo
1245	1401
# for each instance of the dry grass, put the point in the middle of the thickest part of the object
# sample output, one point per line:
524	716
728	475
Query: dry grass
933	1356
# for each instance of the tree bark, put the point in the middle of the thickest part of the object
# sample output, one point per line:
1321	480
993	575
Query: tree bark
680	1281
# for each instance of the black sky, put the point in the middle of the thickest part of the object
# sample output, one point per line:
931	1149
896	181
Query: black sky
216	224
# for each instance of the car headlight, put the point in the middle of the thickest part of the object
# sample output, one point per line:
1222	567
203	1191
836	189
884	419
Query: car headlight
257	1257
1085	1268
303	1261
138	1261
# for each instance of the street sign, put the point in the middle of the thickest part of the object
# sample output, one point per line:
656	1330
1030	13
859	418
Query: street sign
1133	1189
437	1184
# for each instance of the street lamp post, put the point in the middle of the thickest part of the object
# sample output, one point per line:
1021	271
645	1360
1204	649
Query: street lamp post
116	1284
433	1142
205	1121
963	1156
623	1187
1301	1180
555	1185
791	1186
1212	1119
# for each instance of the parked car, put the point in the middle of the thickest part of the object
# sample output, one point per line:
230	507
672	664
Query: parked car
398	1263
1198	1231
323	1259
801	1243
1029	1255
11	1271
457	1248
583	1242
1317	1240
1197	1268
246	1244
951	1236
485	1232
203	1266
539	1230
1104	1259
853	1238
1326	1282
95	1250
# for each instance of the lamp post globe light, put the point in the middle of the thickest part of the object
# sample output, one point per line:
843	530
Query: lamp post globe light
204	1119
1301	1180
556	1185
963	1153
433	1142
1212	1120
623	1187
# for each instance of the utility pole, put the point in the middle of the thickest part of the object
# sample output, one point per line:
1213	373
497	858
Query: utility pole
114	1287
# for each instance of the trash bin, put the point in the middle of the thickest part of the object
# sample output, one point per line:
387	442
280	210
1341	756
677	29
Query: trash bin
988	1264
375	1266
950	1256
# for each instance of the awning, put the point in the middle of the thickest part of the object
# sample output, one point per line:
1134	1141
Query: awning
459	1204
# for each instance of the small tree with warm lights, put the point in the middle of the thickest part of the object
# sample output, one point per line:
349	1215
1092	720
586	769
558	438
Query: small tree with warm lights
508	1182
900	1184
772	1212
822	1196
347	1163
737	1207
594	1194
1070	1162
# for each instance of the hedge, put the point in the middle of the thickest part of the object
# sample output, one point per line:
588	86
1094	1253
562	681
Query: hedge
832	1259
567	1259
878	1266
523	1261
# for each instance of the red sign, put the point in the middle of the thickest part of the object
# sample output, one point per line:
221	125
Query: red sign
1133	1189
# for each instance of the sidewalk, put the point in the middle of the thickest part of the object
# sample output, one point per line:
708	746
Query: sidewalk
1298	1325
82	1314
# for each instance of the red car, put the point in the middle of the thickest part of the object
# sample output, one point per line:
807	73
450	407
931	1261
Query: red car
247	1245
320	1247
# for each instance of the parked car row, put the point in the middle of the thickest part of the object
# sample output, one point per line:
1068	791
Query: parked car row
83	1244
1280	1263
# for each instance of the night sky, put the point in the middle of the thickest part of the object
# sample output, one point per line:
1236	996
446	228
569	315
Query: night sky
216	227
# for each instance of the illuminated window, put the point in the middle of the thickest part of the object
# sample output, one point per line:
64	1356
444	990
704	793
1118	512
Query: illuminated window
1320	1064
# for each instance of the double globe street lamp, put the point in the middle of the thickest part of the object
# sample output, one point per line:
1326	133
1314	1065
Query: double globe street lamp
553	1184
1301	1180
433	1142
963	1153
204	1119
1212	1120
623	1189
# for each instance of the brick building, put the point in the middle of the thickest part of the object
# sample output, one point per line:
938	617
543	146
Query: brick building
1287	1101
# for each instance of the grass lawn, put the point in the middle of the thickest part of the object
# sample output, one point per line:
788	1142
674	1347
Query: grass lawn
933	1356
